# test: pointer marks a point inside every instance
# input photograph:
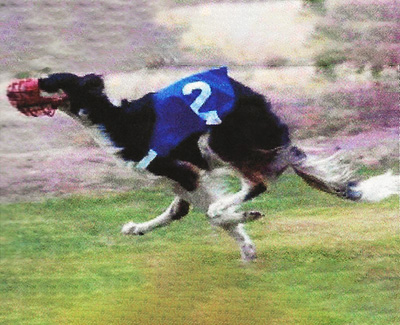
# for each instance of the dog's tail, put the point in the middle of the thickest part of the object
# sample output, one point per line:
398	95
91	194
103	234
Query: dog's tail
333	176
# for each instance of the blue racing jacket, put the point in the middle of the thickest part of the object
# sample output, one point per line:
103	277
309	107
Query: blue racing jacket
188	106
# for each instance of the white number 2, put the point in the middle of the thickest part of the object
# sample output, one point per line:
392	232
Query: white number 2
210	117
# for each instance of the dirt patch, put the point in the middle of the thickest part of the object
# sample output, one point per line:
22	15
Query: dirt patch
82	35
243	33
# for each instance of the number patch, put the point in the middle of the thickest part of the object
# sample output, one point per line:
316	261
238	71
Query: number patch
210	117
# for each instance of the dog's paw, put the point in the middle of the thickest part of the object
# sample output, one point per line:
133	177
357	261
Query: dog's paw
132	228
248	252
253	215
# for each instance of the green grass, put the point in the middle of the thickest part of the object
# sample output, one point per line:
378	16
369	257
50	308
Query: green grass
321	261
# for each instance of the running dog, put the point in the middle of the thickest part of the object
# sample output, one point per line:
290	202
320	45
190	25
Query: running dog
186	131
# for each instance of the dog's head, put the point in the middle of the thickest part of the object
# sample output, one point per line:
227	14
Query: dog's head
83	93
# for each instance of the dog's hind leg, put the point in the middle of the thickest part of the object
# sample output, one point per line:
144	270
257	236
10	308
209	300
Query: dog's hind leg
247	248
177	210
219	209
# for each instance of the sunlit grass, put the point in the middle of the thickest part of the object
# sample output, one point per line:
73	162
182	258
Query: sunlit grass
321	261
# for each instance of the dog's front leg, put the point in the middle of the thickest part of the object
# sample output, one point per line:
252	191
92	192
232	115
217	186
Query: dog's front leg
184	173
177	210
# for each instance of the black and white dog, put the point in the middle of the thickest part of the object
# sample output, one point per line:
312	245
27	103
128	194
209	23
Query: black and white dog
185	131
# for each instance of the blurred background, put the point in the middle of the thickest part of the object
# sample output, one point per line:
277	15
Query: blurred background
329	67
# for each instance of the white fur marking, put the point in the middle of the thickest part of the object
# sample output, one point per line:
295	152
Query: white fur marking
247	248
331	169
379	187
229	201
163	219
115	101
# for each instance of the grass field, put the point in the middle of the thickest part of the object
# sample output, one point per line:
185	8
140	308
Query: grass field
321	261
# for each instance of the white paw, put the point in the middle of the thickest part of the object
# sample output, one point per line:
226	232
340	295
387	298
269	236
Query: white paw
248	252
132	228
